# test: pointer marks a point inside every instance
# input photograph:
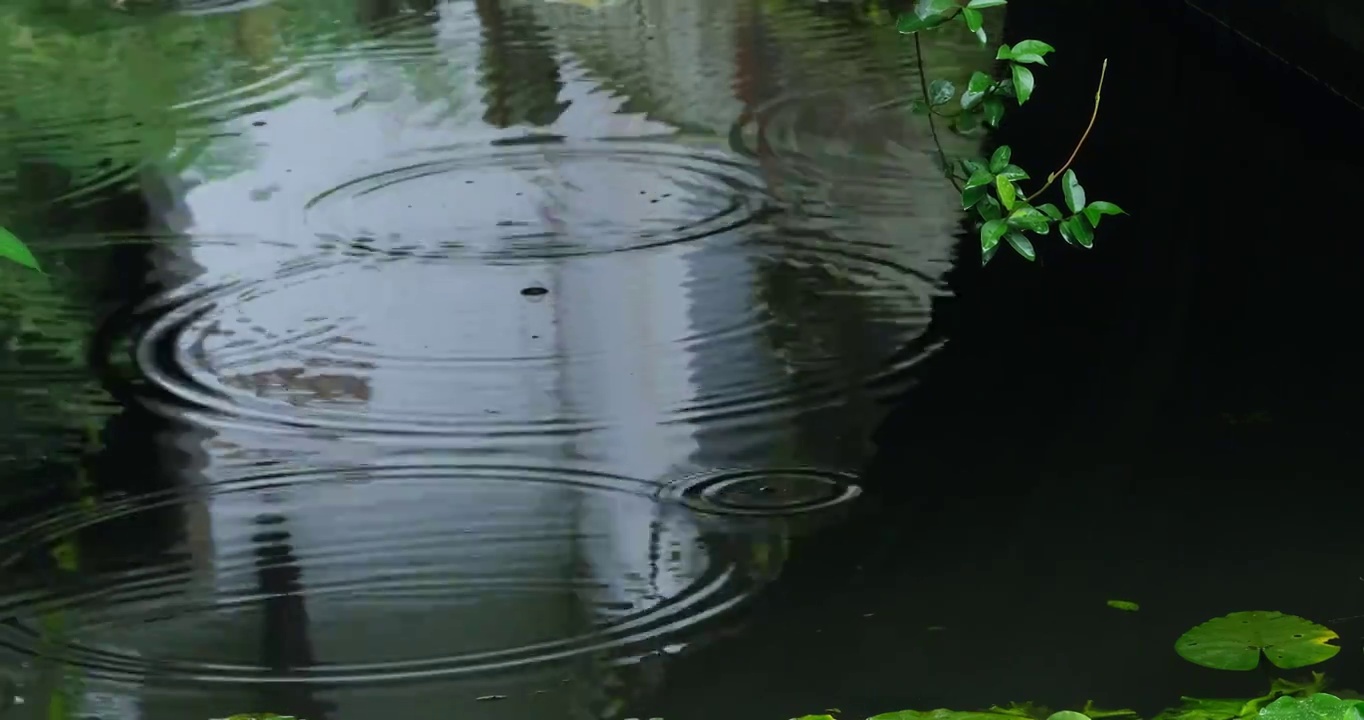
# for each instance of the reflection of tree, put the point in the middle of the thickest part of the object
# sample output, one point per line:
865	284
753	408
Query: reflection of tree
520	72
285	634
822	317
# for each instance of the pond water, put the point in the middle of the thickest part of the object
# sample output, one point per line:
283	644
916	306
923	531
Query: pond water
517	358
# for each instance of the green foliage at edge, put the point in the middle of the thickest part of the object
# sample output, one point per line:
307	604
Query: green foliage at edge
991	188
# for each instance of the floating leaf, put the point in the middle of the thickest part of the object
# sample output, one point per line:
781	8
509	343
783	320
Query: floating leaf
1321	706
1234	642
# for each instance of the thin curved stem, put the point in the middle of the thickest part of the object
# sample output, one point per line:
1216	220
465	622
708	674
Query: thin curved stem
932	127
1098	95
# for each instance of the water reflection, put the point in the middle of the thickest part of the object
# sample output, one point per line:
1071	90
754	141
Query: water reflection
494	349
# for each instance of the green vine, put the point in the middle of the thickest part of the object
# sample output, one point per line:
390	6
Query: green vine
990	187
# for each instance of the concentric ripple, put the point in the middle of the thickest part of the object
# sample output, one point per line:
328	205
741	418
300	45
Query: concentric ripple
539	198
465	569
764	492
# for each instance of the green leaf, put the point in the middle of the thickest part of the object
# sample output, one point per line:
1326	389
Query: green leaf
1004	53
1235	641
1014	172
1051	210
805	717
974	165
971	196
1068	715
1031	219
972	18
1124	605
975	90
994	111
1000	158
985	255
1030	51
1073	191
979	178
1007	192
982	4
989	208
12	248
943	715
1097	209
991	232
940	92
1023	247
1077	232
927	14
1321	706
1024	82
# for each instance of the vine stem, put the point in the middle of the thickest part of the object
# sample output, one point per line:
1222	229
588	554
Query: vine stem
1098	96
932	127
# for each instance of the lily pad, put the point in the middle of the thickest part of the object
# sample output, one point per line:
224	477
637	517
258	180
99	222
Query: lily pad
941	714
1234	642
1321	706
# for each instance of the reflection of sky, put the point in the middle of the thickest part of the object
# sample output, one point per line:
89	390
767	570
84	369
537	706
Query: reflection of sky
617	315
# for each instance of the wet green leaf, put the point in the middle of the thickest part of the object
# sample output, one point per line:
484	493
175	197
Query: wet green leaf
1024	82
1073	191
1068	715
994	111
1235	641
1051	210
927	14
985	255
1014	172
973	18
1000	158
1023	246
974	165
941	715
814	717
989	208
1007	192
979	178
941	92
1321	706
976	88
982	4
991	232
971	196
1004	53
1097	209
1030	219
1030	51
1077	232
12	248
1124	605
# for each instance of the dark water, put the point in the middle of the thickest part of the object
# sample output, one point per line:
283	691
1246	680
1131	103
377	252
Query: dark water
515	358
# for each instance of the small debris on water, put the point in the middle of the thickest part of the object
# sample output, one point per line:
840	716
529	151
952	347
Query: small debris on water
490	698
534	291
